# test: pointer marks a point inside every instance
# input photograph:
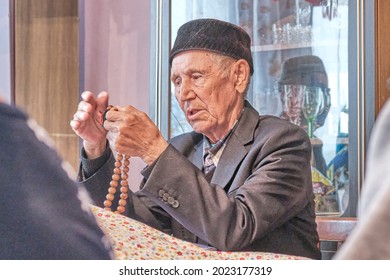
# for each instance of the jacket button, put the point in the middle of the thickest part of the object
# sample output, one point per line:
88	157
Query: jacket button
170	200
161	193
175	204
165	196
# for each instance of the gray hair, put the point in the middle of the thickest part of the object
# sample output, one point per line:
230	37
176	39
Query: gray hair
224	64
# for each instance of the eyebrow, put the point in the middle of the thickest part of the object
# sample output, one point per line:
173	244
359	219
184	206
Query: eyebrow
173	76
190	70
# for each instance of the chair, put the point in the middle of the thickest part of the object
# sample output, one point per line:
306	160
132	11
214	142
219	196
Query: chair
333	231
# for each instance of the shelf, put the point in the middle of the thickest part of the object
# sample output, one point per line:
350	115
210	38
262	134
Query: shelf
276	47
280	47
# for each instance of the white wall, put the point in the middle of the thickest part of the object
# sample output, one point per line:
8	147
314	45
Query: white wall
5	71
116	56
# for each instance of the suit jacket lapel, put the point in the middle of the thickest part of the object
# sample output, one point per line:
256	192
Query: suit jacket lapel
195	148
197	157
237	147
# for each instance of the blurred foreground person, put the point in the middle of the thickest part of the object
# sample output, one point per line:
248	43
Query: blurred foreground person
44	215
370	238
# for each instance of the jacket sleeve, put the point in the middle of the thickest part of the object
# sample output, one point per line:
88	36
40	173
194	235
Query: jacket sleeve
138	207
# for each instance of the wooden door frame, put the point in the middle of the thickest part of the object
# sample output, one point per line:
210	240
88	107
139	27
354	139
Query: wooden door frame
382	53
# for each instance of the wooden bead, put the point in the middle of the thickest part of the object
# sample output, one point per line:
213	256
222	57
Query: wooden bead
124	195
114	184
110	196
107	203
112	190
120	173
115	177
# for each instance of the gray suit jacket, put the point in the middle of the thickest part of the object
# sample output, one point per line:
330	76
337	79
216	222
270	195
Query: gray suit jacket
260	197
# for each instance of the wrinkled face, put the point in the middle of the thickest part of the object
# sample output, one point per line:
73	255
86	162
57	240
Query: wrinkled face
206	93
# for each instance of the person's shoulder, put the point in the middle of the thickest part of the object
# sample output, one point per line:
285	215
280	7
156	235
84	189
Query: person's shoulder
186	137
10	114
273	119
281	124
251	115
186	141
273	127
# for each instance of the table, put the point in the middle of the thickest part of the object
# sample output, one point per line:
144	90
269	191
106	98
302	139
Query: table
133	240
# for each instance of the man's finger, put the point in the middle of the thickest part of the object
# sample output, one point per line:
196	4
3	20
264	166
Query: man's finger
102	101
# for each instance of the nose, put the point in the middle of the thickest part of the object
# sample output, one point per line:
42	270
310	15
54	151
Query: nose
185	91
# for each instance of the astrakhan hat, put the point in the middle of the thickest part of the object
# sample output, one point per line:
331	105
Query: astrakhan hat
216	36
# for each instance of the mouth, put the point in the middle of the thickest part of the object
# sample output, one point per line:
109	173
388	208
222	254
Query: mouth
191	113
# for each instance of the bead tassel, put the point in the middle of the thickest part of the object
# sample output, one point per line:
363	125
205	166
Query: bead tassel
120	172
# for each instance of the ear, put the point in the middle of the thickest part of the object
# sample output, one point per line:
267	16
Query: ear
241	75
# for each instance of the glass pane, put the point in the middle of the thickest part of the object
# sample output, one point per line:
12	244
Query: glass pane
300	52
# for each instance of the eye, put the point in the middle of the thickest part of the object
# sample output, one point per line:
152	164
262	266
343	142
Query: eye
198	79
196	76
177	81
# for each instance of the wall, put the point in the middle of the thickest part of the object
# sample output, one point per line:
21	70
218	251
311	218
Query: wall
115	46
5	75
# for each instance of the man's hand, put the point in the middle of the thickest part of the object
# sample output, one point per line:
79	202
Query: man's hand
87	123
136	134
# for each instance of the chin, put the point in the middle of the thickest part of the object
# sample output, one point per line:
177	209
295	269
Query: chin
202	127
197	128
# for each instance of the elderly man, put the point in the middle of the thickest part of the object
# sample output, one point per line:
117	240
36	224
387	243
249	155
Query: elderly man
238	182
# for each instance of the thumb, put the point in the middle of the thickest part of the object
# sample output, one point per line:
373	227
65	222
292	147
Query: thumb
102	101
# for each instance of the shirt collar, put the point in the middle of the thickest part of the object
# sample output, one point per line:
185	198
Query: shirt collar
215	150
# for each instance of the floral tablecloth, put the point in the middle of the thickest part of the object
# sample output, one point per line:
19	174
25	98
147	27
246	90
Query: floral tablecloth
132	240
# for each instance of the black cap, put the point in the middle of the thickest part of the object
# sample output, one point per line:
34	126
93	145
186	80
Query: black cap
306	70
216	36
